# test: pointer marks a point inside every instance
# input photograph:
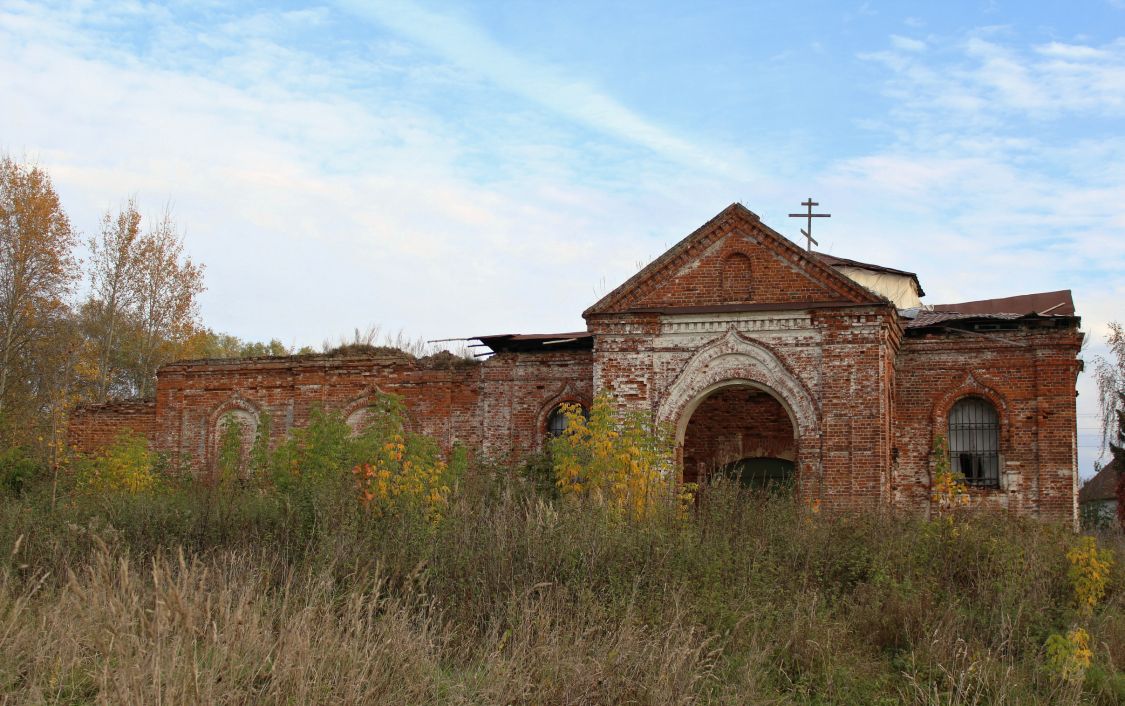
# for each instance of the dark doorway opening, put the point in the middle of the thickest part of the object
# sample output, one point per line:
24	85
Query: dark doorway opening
743	432
762	473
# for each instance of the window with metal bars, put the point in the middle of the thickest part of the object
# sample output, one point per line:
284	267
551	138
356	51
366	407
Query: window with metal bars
974	441
556	420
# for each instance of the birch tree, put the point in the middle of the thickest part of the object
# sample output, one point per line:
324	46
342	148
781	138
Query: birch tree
113	294
1110	376
166	308
1109	373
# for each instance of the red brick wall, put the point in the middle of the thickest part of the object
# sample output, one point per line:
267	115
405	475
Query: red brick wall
1029	376
735	423
732	301
854	394
840	357
737	270
881	396
705	268
95	426
498	407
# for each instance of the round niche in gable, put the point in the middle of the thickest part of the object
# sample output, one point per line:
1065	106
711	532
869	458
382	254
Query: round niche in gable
735	278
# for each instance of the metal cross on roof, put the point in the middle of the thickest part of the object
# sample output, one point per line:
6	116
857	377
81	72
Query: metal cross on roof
810	215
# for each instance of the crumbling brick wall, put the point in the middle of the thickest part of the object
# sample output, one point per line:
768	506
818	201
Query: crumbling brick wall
876	398
733	304
96	426
828	366
1028	374
498	407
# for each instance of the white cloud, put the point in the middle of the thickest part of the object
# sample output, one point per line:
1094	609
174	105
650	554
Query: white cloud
1072	51
988	80
314	213
470	47
907	44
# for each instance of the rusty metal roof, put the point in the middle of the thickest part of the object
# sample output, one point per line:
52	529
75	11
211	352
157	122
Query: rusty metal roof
845	262
525	342
1103	486
1042	305
934	318
1059	303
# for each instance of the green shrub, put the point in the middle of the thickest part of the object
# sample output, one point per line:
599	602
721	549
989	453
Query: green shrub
19	471
127	465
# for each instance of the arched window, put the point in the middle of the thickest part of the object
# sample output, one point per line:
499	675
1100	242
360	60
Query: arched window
556	420
974	441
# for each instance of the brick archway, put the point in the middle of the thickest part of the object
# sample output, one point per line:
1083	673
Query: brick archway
733	360
736	421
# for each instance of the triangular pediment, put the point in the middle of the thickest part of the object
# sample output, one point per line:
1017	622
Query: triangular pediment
733	261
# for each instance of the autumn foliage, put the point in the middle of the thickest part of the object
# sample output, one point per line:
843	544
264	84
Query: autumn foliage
948	490
402	471
139	309
617	459
125	466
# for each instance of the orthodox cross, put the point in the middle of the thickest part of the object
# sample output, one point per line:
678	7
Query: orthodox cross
810	215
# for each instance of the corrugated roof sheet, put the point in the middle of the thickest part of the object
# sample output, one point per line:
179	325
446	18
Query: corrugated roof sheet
1024	306
933	318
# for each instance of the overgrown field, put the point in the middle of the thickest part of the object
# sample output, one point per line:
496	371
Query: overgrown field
262	592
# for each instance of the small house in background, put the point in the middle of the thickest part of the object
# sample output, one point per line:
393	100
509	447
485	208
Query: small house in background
1097	498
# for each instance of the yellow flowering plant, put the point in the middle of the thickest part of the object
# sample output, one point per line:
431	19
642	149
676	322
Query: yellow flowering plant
1069	656
617	459
1089	573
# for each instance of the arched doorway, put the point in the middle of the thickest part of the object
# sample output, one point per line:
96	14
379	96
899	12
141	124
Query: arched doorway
743	431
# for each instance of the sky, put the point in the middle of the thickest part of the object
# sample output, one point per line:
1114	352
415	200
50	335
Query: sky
462	169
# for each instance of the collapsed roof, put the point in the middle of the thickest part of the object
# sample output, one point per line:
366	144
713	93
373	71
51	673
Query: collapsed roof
526	342
1058	305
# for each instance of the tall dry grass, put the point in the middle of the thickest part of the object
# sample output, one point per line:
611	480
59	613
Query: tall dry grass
517	599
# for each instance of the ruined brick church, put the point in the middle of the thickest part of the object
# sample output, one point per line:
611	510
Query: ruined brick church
767	360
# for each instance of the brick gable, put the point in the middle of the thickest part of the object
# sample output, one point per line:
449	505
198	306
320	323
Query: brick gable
735	261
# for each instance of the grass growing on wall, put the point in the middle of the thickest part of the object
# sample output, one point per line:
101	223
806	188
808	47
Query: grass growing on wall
258	592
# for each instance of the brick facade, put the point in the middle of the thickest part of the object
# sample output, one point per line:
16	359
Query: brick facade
740	341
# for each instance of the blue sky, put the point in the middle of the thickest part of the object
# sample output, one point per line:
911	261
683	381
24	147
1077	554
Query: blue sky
479	168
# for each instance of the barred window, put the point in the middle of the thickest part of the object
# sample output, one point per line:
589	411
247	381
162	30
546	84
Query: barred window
974	441
556	420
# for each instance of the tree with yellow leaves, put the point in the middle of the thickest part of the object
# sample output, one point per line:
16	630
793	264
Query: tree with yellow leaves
143	307
617	459
402	471
37	272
